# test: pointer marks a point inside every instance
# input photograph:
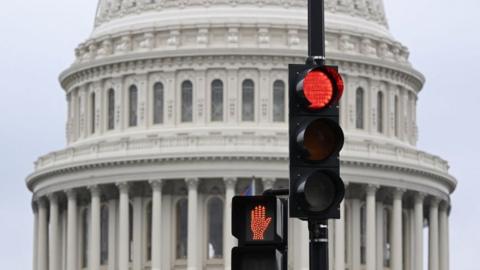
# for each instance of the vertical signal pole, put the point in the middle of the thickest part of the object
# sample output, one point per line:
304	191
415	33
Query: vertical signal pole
318	229
316	31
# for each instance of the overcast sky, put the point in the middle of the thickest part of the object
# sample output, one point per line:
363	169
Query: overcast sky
37	43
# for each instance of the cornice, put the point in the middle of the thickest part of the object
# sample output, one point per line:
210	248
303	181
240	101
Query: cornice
157	151
270	59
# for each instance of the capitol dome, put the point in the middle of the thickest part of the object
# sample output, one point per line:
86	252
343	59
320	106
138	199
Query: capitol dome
176	106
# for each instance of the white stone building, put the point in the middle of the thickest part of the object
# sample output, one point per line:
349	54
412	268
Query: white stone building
173	107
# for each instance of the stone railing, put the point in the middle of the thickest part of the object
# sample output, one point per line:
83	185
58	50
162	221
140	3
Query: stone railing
166	41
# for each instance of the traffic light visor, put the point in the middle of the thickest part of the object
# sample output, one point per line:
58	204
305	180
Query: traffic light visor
320	139
317	89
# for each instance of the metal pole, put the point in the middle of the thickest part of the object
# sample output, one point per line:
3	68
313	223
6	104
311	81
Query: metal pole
316	30
318	244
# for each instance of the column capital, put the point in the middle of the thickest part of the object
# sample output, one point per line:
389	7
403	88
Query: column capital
94	190
230	182
156	184
123	186
398	193
71	193
192	183
53	198
419	197
434	202
444	205
42	202
372	189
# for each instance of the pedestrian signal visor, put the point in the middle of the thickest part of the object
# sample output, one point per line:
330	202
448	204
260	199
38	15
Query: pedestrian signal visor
257	220
320	87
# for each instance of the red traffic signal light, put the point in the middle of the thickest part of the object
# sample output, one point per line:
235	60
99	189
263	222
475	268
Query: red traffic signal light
320	87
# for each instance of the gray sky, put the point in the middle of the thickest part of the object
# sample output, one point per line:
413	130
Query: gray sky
37	43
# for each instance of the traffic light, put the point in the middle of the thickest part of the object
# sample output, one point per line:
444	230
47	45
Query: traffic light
316	189
260	225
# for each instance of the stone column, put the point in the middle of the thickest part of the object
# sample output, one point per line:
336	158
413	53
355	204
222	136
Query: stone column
123	229
418	232
355	260
433	236
370	220
443	241
72	230
397	256
228	239
53	233
35	235
94	258
380	239
42	235
339	243
156	224
112	234
268	183
192	261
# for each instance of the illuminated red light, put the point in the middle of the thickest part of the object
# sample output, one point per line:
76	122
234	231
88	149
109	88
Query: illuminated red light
258	222
318	89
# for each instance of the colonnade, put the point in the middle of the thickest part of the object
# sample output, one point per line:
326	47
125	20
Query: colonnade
358	237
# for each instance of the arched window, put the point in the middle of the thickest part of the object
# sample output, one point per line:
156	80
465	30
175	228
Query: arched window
182	228
187	101
217	101
104	235
85	235
92	113
363	235
380	112
130	232
359	102
387	247
111	109
132	106
158	103
215	228
396	116
248	100
148	214
278	101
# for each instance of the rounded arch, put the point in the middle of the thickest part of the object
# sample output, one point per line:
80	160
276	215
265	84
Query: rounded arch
158	103
92	112
380	111
132	106
279	101
216	107
248	100
187	101
360	108
110	109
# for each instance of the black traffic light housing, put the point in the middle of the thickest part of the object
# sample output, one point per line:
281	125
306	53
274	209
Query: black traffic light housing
316	138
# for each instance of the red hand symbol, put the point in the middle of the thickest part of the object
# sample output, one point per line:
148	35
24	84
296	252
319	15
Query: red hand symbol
259	223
